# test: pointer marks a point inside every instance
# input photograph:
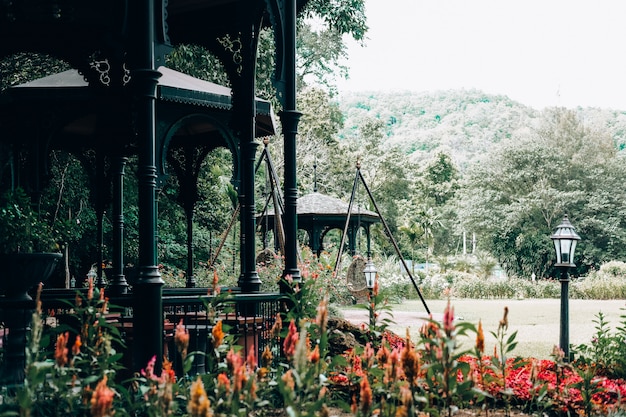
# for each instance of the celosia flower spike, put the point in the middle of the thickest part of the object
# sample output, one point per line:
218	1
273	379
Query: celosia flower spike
277	327
218	334
76	346
504	323
366	396
448	319
322	315
60	353
102	399
181	338
216	288
90	289
410	361
291	341
199	404
480	338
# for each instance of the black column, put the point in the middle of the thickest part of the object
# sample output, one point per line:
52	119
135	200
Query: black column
289	118
244	108
148	306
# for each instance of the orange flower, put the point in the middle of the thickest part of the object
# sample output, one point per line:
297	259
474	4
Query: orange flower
181	338
289	345
366	396
314	356
105	304
383	356
402	411
393	367
504	323
266	357
368	354
322	315
102	399
60	352
287	379
218	334
168	374
233	361
216	288
76	346
90	289
239	378
410	361
277	327
251	359
353	405
199	404
480	338
223	381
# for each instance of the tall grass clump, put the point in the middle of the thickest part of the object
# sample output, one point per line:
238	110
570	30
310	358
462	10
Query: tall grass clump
609	282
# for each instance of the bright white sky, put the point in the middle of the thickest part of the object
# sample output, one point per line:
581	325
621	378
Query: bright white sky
539	52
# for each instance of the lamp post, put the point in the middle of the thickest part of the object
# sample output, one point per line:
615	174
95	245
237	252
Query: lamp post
565	239
370	281
92	275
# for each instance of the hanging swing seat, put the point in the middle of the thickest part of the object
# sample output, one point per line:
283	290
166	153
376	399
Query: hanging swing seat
355	278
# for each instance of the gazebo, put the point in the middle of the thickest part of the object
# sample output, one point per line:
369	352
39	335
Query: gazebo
319	213
136	106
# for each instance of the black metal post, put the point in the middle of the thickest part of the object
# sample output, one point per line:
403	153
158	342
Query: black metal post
245	107
148	305
289	119
564	332
118	284
100	181
371	309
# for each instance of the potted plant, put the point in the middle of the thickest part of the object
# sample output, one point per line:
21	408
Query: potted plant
28	248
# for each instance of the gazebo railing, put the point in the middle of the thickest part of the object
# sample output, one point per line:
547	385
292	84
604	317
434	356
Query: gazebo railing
249	318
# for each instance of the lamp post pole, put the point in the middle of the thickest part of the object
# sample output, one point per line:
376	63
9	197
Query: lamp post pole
370	281
564	330
565	239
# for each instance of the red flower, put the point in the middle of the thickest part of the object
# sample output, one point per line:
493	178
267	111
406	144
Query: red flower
60	353
289	345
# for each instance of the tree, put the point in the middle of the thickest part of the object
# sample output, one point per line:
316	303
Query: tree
515	197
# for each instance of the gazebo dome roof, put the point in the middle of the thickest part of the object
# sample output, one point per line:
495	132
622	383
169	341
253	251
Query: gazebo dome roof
322	204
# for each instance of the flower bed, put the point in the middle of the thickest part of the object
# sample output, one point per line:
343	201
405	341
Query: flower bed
387	376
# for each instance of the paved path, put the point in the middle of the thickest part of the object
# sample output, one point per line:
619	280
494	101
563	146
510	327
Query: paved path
400	320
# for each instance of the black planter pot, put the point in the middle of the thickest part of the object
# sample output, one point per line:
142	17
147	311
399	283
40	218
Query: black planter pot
22	271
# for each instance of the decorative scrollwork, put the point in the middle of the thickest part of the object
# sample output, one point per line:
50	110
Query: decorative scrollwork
102	67
126	76
234	46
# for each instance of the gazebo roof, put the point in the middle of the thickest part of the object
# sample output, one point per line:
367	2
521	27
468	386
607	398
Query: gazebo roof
173	86
322	204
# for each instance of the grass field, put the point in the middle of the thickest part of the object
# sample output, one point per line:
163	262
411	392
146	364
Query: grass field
537	321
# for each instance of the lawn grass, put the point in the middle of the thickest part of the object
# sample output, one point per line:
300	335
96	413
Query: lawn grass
537	321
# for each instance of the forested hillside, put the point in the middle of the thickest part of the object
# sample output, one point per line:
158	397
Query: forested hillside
460	162
462	123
